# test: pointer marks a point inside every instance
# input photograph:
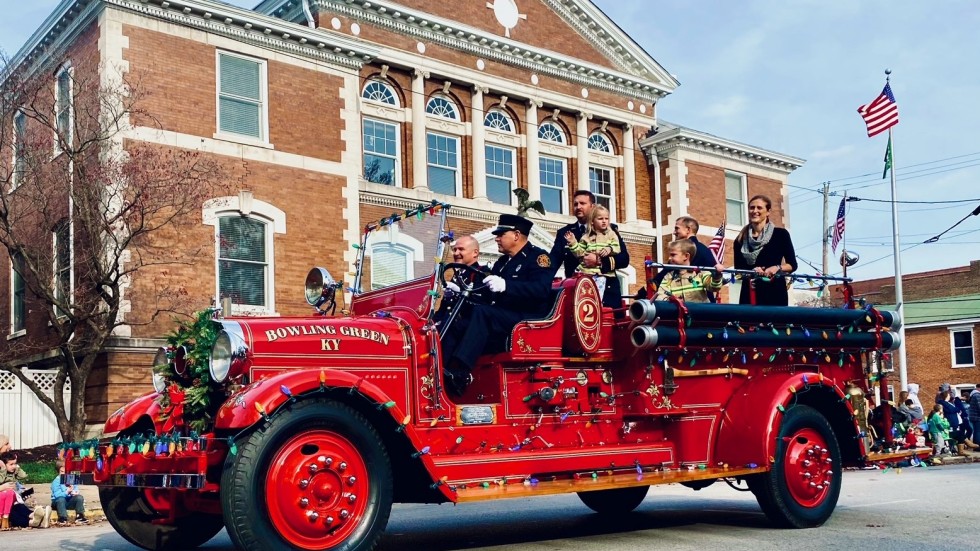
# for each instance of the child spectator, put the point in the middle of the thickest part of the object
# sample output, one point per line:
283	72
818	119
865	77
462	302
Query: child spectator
909	408
687	285
939	431
599	239
4	443
64	496
9	477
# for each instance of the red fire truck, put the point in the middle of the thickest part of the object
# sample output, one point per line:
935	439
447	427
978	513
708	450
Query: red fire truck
321	423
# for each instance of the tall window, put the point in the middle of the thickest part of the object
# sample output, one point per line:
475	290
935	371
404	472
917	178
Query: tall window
601	184
552	174
380	152
18	294
243	261
20	147
63	106
500	174
62	263
962	343
442	154
735	207
241	96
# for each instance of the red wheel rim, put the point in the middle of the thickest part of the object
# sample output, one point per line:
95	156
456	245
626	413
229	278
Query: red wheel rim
317	489
808	467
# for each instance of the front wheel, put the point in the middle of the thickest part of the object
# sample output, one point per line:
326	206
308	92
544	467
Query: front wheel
135	518
802	489
616	501
315	477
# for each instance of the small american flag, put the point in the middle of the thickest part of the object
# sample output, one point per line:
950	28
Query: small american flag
717	245
882	113
838	227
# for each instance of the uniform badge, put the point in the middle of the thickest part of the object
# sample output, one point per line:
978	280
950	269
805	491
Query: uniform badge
544	261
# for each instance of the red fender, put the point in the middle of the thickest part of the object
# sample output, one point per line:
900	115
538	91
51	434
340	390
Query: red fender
129	414
263	397
753	415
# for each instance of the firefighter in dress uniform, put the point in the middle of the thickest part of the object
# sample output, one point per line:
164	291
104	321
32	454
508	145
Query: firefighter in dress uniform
518	285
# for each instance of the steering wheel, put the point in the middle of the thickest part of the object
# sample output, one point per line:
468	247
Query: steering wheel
465	270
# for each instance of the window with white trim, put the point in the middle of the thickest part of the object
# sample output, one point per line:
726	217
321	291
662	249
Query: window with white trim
18	294
598	142
498	120
380	152
61	243
64	110
380	92
439	106
442	157
20	148
500	174
601	184
242	91
735	199
551	172
390	265
961	344
244	256
550	132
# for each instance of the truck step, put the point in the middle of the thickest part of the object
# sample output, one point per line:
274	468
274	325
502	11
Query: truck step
588	483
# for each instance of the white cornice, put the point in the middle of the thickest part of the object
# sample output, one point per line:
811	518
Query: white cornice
213	17
674	138
448	33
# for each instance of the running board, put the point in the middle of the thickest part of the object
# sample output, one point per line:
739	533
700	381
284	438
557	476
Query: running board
586	483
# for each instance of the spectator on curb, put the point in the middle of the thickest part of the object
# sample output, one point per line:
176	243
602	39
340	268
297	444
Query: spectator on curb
10	475
4	443
914	395
939	431
915	412
975	409
64	496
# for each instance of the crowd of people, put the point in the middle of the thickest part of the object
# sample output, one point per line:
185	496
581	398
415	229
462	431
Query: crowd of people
18	506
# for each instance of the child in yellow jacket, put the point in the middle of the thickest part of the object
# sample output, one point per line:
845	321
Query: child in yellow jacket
687	285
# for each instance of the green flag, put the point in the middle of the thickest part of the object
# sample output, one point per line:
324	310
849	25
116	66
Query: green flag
888	158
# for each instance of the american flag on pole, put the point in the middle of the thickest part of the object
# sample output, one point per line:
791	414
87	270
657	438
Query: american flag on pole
717	245
882	113
838	227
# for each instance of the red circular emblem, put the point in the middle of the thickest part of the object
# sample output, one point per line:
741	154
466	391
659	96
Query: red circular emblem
588	314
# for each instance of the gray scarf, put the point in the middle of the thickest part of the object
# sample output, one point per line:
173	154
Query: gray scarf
752	246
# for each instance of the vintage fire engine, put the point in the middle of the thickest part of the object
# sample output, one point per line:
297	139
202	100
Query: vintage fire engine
327	420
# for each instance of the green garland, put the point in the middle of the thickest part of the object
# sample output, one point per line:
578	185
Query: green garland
195	391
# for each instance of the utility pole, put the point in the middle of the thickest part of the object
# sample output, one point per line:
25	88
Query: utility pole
826	229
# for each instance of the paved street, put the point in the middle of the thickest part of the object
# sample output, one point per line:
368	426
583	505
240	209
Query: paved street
878	510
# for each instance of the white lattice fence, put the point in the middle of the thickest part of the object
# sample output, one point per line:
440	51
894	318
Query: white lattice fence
23	417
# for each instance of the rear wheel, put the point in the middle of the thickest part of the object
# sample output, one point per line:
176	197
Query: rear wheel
315	477
802	489
616	501
130	512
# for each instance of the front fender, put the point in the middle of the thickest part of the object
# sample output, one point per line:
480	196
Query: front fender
263	397
752	417
129	414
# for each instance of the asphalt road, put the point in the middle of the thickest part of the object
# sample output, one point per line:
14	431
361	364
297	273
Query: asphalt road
922	509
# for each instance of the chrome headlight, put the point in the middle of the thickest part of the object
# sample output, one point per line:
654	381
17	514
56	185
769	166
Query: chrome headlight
319	284
160	359
229	353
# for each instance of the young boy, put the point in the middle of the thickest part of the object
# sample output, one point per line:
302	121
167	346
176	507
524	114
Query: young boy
10	475
599	239
63	496
939	431
687	285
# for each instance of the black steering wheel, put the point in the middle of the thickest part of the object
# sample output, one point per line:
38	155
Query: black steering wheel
466	270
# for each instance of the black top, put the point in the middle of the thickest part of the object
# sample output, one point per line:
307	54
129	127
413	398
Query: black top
561	256
528	274
779	249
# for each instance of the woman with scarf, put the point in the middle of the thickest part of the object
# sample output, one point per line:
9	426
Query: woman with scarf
766	250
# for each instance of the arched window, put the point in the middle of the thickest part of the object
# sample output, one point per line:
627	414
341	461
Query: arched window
497	120
598	142
550	132
380	92
442	107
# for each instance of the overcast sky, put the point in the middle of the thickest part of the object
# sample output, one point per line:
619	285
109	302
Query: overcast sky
789	77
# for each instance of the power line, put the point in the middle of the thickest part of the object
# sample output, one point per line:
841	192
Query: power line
852	198
935	238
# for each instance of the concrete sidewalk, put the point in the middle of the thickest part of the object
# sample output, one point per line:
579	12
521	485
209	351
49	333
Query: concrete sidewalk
93	507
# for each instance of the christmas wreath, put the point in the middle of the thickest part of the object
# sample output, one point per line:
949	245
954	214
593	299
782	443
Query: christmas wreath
192	397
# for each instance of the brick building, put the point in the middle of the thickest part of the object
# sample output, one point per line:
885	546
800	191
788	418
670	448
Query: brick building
942	324
336	113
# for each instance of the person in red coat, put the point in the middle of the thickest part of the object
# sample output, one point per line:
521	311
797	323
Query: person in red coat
766	250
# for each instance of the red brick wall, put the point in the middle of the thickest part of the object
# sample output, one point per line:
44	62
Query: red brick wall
930	361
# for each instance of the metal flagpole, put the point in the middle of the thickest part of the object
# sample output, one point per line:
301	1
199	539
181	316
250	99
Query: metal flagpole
899	300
